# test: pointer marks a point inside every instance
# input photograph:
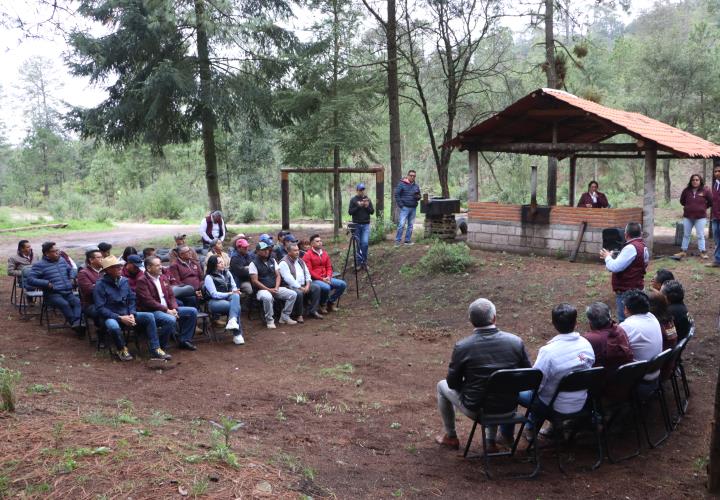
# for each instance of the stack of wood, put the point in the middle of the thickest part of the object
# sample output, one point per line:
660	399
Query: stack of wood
441	226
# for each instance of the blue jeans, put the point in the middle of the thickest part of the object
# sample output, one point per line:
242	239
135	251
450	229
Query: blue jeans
407	215
539	412
362	232
716	237
620	306
144	320
688	225
67	302
335	284
166	323
230	306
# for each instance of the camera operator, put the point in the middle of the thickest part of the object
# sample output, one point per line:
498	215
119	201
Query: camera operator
361	209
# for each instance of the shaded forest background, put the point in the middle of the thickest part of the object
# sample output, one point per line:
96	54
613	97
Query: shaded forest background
278	98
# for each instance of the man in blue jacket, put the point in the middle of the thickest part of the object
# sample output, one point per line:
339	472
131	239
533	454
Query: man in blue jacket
115	304
54	277
407	195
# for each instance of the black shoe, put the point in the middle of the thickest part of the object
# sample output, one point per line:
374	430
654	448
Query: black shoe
187	345
160	354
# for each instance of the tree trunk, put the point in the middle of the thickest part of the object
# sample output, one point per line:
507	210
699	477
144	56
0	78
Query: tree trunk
207	118
552	83
393	105
337	221
666	179
713	469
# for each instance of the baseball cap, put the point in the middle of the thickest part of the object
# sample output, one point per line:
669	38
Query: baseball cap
292	239
135	259
266	238
360	186
262	246
242	242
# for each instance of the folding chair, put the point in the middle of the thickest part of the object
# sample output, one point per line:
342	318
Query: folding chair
657	392
30	298
623	384
45	311
590	380
504	383
13	292
680	402
681	367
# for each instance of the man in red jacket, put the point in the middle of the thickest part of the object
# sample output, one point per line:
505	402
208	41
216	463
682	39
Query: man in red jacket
321	272
188	278
154	295
715	214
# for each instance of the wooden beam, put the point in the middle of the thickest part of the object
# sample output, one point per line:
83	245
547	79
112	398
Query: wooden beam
571	181
548	148
330	170
649	196
285	199
472	189
638	156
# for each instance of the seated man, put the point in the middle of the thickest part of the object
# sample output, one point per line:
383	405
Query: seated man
213	227
188	278
661	276
86	279
473	360
642	328
115	304
318	263
19	264
105	249
148	252
279	250
675	294
564	353
179	243
296	277
132	269
265	279
54	276
240	265
609	342
154	295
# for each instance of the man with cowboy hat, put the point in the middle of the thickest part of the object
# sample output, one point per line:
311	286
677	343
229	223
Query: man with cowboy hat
115	304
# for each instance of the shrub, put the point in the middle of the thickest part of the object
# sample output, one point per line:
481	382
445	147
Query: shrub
102	213
69	205
379	230
246	212
8	382
446	258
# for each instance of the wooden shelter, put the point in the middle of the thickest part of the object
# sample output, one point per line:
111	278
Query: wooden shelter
554	123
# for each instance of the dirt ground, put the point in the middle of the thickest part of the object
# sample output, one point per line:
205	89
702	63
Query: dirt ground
343	407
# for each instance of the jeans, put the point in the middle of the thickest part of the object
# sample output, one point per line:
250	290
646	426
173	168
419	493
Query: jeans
407	214
362	233
539	411
144	320
688	225
67	302
268	299
229	306
185	296
166	323
449	399
716	237
620	306
335	284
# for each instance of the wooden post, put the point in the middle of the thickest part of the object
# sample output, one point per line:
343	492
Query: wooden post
552	172
379	193
285	199
571	180
648	221
472	191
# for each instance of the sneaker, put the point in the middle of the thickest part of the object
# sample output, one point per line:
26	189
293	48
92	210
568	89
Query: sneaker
317	315
713	264
323	310
300	320
408	243
238	339
232	324
679	256
271	325
704	255
124	355
397	243
160	354
287	321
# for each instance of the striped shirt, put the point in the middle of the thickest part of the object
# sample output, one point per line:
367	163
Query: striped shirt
564	353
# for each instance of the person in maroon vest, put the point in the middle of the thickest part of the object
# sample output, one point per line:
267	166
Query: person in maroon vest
628	268
695	199
715	214
608	340
593	198
212	227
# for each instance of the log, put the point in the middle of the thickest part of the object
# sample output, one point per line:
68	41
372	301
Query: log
30	228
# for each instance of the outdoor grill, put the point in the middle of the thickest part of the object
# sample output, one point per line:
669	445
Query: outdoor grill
440	216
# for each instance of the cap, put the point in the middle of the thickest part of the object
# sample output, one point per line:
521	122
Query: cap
135	259
180	236
262	246
289	237
266	237
360	186
241	235
242	243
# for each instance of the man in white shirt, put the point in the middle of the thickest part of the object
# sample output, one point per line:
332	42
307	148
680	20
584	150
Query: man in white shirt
213	227
642	328
564	353
296	276
265	278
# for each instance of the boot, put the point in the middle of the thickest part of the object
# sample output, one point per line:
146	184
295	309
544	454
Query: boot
680	255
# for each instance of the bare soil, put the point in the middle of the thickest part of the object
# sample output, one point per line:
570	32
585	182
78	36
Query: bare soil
343	407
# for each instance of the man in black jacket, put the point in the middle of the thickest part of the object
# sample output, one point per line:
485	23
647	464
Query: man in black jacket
361	208
239	265
474	359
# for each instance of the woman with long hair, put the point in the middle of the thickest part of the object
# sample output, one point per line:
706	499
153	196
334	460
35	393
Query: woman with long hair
223	295
695	199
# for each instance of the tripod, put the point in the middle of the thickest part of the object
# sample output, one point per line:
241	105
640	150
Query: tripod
354	248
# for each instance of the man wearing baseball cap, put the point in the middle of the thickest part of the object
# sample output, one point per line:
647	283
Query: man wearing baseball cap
361	208
281	249
266	280
179	243
239	265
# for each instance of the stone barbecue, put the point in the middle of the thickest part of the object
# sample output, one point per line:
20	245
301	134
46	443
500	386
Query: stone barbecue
440	217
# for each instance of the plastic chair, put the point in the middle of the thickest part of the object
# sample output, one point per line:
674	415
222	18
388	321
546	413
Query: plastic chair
623	384
590	380
503	383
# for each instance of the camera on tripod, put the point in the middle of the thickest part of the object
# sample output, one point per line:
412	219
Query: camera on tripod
351	227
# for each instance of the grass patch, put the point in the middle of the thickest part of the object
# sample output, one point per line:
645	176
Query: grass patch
339	372
72	225
447	258
40	389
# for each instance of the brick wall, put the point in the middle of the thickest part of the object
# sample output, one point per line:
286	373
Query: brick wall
595	217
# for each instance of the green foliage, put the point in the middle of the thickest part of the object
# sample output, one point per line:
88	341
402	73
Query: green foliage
448	258
227	426
9	380
68	205
380	230
339	372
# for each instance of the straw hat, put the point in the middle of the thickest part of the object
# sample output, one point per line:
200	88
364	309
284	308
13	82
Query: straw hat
110	261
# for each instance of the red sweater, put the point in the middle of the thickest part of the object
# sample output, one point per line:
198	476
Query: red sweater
318	265
695	203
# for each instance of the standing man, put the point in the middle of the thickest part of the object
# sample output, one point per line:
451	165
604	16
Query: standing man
321	272
54	276
407	195
212	226
361	208
628	268
715	215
